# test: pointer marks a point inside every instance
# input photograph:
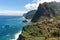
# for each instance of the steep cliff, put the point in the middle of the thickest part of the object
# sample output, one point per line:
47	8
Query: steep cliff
44	10
30	14
44	24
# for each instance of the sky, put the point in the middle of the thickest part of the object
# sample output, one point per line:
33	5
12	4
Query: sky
19	7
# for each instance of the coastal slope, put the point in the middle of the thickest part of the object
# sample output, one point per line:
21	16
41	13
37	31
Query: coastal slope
45	24
30	14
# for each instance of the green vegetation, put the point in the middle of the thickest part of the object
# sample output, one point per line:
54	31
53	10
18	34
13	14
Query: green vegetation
42	30
45	23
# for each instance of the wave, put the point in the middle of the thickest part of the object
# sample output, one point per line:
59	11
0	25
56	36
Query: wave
16	35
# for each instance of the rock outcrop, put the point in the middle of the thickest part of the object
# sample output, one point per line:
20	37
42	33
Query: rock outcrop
43	10
30	14
21	37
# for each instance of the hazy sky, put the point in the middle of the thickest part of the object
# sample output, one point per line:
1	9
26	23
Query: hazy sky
19	7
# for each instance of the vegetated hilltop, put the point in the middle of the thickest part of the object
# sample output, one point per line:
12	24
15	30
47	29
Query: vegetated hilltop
45	24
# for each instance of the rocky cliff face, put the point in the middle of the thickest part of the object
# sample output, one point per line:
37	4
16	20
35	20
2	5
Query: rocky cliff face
30	14
44	9
44	29
51	7
21	37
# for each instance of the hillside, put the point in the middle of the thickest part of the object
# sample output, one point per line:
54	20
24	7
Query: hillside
46	9
54	5
45	24
30	14
41	31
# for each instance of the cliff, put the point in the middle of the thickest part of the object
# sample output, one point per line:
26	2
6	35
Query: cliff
45	9
45	24
43	30
30	14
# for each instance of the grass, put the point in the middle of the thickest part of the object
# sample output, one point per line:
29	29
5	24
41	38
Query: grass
42	30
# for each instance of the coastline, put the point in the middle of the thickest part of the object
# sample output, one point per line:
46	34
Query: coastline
16	35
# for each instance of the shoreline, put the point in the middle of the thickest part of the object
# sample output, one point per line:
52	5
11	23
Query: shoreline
16	35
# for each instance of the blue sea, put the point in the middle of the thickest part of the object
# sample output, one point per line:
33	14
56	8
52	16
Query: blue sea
15	25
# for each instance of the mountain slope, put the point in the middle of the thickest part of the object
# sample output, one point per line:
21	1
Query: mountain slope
30	14
44	10
45	25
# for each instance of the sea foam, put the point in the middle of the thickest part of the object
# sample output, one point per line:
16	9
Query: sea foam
16	35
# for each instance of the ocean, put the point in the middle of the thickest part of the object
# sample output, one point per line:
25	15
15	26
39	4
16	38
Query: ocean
11	27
